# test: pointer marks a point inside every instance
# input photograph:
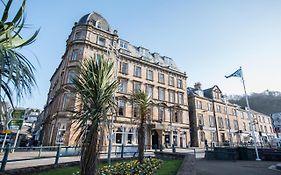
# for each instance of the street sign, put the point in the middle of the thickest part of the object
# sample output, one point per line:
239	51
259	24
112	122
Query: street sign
15	124
7	131
18	113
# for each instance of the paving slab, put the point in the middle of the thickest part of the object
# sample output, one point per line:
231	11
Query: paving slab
214	167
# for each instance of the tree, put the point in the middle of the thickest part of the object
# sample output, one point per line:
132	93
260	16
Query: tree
266	102
143	102
16	71
94	86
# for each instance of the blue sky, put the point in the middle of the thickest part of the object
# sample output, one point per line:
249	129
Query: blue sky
207	39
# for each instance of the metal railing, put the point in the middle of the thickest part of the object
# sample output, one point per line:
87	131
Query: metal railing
16	154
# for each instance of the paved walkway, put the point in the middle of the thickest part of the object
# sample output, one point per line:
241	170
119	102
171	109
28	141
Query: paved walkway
38	162
49	161
214	167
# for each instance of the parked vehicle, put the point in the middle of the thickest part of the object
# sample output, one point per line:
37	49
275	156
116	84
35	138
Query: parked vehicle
276	143
8	139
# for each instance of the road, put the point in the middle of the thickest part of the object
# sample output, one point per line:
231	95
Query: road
214	167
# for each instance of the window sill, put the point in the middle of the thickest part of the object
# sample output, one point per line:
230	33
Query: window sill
137	76
124	73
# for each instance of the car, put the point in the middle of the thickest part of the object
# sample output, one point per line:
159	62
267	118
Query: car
276	143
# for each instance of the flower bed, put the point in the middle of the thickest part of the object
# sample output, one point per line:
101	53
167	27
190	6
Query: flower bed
148	167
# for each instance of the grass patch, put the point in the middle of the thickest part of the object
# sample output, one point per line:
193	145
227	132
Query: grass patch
169	167
60	171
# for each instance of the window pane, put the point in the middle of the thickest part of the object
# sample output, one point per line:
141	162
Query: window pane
149	75
118	138
121	107
78	35
124	68
101	41
161	114
137	86
180	83
129	138
161	78
71	76
161	94
171	81
137	71
123	86
149	90
74	55
171	96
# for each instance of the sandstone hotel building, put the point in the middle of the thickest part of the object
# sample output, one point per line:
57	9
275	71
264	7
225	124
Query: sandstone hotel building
216	122
137	68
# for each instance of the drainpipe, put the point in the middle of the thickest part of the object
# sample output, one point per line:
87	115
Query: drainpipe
214	112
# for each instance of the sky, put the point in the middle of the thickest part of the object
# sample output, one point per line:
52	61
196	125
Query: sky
207	39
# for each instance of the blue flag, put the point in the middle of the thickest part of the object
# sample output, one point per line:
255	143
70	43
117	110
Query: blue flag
237	73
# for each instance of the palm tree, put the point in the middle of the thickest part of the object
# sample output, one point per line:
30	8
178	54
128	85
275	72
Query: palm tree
95	87
16	71
143	102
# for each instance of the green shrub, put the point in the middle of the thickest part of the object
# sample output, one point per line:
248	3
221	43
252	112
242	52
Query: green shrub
148	167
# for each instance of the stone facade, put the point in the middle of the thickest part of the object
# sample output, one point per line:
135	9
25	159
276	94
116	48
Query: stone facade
136	68
219	122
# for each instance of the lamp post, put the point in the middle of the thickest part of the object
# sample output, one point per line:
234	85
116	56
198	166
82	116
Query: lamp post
115	52
172	130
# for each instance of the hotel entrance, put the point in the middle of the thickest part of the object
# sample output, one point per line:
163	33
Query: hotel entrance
155	139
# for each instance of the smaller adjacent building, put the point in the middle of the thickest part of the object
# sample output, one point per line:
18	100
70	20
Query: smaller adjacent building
215	121
276	118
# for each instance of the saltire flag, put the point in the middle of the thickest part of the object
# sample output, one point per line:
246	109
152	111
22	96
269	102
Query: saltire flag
237	73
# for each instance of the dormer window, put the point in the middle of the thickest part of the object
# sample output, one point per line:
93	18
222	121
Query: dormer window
217	95
143	52
78	35
97	24
123	44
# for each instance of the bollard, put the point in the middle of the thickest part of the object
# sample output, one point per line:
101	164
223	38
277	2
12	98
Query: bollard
161	147
5	158
57	155
122	151
194	150
173	148
40	151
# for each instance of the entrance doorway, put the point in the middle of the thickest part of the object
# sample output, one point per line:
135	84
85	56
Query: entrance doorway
167	140
222	137
155	139
181	144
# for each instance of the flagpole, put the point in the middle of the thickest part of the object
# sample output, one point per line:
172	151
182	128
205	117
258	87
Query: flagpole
250	116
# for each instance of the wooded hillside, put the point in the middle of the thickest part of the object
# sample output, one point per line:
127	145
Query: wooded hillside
267	102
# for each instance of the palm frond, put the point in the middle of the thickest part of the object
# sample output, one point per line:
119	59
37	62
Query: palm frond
16	71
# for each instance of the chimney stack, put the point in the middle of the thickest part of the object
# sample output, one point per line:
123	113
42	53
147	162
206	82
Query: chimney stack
197	86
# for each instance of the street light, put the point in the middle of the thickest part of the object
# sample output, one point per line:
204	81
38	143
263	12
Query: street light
115	52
